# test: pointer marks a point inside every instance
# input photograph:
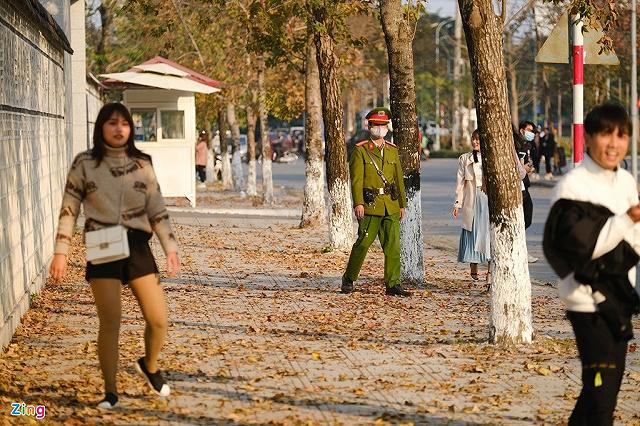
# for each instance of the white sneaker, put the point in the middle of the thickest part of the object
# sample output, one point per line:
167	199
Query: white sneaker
548	176
155	380
532	259
110	400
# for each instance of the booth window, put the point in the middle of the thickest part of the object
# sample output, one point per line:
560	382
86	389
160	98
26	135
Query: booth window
172	124
144	125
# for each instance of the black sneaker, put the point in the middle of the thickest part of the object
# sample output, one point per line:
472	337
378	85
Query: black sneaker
347	285
155	380
109	401
397	290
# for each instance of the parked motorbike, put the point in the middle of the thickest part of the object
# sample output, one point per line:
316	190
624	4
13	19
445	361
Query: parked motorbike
287	157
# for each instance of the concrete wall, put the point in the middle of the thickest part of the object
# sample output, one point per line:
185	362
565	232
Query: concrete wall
34	157
79	77
61	12
93	102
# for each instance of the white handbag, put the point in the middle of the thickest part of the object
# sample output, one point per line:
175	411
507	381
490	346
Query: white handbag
108	244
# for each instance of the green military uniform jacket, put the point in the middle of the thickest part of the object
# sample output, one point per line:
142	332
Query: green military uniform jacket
364	175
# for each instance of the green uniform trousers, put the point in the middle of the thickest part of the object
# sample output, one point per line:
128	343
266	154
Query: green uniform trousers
387	228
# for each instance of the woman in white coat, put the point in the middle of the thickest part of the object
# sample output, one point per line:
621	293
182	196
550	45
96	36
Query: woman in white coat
472	205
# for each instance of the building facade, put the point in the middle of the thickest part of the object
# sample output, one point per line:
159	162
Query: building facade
35	150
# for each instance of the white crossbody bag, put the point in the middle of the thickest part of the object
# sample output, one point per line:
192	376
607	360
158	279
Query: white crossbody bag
108	244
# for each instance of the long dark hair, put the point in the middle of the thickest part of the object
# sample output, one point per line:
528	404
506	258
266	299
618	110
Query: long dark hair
98	151
476	132
518	140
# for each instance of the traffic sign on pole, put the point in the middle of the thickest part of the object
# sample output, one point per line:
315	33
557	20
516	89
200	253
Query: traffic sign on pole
555	49
578	91
585	50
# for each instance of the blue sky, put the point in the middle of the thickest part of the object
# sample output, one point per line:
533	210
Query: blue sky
447	7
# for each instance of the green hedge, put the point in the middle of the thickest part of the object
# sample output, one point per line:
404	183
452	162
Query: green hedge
446	153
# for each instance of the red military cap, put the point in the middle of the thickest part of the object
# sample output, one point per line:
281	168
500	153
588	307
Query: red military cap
379	115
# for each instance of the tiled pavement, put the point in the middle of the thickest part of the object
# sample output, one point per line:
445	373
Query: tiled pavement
259	335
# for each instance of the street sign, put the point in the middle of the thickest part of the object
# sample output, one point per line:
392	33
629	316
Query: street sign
555	49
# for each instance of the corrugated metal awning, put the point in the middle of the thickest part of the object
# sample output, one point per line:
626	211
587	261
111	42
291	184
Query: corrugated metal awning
162	69
162	81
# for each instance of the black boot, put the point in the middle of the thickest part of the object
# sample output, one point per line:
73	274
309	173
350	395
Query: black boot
347	285
397	290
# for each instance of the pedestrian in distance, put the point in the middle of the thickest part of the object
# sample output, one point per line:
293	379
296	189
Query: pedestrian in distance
534	152
377	189
202	151
115	183
523	139
472	204
592	242
425	149
547	150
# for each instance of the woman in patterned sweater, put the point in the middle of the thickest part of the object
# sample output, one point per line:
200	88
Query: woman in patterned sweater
115	184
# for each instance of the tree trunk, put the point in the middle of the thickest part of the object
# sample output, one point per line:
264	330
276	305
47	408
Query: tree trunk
106	10
313	206
236	163
251	148
350	113
105	26
534	95
227	182
267	174
559	114
340	219
546	95
457	60
513	81
510	320
399	37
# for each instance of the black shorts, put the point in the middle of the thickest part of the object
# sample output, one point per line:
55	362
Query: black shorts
139	263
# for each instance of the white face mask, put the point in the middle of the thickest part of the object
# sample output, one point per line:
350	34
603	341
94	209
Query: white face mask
529	136
379	132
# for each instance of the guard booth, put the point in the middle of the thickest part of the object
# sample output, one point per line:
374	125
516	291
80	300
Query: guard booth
161	97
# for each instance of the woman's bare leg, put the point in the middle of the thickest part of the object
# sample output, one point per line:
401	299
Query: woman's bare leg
107	293
474	270
152	303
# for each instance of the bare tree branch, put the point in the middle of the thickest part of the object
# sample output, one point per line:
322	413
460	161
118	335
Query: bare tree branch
520	11
186	28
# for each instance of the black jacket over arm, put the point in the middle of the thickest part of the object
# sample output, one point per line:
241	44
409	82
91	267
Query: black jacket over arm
570	236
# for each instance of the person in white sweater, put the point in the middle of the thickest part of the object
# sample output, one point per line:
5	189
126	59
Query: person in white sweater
472	205
592	241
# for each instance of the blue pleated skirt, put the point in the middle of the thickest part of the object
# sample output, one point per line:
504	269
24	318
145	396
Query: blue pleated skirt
475	245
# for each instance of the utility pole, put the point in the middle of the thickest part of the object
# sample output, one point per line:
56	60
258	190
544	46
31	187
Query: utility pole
634	90
438	28
457	59
578	89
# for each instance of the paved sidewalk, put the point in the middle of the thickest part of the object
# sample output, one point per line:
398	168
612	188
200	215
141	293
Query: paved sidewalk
259	335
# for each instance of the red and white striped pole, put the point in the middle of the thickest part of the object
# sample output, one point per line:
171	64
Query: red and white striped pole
578	91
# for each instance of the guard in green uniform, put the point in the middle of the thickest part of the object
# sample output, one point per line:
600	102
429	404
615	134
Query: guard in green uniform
377	188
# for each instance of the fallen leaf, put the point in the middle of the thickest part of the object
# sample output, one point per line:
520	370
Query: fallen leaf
543	371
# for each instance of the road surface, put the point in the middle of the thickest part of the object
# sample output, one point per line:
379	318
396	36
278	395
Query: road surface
438	178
